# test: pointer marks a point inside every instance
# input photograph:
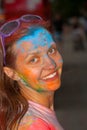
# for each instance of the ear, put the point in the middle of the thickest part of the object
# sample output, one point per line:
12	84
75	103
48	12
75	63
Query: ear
11	73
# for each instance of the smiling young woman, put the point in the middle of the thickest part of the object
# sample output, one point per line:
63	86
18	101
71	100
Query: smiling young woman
31	69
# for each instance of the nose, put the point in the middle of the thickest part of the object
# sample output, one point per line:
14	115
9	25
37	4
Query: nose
49	63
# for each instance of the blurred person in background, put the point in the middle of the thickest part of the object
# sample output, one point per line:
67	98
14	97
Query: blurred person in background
78	34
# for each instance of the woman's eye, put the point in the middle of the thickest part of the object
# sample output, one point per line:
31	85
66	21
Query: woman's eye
33	60
52	51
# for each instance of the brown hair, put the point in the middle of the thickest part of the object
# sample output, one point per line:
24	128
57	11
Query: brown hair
13	105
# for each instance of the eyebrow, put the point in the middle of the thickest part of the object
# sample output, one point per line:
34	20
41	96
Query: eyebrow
31	54
53	45
37	52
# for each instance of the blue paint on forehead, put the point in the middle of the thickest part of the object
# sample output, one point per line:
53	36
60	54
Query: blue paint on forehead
38	36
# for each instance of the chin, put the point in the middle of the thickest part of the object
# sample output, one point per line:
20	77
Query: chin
54	87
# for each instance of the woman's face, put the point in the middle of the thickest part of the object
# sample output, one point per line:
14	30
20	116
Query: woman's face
38	62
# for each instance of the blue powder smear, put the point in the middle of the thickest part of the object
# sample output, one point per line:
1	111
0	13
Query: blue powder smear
38	36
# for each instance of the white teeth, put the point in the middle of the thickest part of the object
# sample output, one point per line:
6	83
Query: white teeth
50	76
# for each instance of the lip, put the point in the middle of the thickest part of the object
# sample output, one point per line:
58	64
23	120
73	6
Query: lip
51	76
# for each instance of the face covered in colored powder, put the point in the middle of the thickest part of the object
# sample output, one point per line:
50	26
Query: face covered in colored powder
38	61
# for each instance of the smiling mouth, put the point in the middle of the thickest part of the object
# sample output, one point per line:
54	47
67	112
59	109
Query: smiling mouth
50	76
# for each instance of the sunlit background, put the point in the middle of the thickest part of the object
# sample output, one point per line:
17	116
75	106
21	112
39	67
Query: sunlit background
69	24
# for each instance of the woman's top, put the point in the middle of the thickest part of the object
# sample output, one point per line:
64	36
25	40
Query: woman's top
39	117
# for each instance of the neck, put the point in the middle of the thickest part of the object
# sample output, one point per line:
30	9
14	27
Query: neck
43	98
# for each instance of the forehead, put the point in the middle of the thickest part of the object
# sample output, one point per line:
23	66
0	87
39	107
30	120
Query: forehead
38	36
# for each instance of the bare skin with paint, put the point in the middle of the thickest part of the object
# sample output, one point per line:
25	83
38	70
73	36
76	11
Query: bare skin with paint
39	68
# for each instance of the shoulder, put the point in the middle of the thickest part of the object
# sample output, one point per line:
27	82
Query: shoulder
34	123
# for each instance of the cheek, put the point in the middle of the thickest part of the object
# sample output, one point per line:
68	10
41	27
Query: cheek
31	74
58	60
31	77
